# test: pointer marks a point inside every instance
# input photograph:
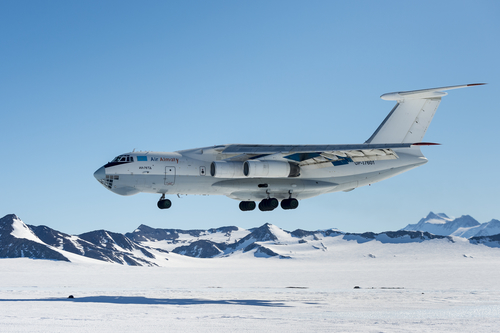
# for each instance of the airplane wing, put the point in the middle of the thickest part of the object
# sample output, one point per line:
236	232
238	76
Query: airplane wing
313	154
405	125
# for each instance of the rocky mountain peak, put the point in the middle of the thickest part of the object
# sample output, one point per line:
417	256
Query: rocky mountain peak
264	233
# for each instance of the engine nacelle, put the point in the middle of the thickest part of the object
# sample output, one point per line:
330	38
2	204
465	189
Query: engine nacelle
270	169
223	169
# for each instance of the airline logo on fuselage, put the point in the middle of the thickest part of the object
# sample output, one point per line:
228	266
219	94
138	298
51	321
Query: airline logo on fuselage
164	159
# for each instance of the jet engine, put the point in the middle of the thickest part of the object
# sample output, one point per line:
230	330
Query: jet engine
270	169
223	169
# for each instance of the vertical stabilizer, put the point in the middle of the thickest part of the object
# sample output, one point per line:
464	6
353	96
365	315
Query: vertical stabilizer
409	119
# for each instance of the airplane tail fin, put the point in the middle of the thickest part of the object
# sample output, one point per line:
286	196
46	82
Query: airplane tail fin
409	119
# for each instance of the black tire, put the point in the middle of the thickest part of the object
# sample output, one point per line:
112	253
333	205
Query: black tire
268	205
251	205
289	203
247	205
164	204
294	203
272	203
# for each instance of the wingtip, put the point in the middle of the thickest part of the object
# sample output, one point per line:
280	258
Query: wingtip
476	84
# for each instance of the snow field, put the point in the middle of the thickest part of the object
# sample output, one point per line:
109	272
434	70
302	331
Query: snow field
443	292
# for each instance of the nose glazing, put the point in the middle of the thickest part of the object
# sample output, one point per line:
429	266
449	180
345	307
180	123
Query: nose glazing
100	174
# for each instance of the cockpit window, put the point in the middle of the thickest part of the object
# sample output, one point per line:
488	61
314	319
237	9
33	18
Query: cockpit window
120	160
123	158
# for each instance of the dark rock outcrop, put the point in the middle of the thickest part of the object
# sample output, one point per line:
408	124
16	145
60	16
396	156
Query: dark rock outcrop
13	247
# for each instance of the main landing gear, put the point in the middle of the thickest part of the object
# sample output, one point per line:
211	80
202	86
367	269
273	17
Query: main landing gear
267	205
164	203
247	205
289	203
270	204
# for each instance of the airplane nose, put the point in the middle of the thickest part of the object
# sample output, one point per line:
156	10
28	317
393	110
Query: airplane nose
100	174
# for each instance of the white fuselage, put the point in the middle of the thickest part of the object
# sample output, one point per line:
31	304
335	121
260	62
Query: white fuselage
188	172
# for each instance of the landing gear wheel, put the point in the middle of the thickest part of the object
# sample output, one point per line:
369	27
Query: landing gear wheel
268	205
164	203
289	203
247	205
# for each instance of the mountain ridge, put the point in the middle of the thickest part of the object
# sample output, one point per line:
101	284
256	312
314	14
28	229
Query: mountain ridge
147	246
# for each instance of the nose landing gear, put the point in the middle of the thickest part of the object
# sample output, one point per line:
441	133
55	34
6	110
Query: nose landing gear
164	203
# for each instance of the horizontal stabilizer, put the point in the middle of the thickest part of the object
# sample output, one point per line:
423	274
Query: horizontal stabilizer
424	93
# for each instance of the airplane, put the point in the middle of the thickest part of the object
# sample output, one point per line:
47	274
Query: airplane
270	174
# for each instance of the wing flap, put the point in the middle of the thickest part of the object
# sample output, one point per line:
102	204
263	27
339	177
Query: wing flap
352	155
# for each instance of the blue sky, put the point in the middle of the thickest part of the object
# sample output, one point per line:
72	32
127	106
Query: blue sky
82	82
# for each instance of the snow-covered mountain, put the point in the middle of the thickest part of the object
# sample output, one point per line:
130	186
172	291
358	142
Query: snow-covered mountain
486	229
175	237
148	246
17	240
463	226
20	240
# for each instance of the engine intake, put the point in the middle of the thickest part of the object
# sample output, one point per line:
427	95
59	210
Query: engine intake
222	169
270	169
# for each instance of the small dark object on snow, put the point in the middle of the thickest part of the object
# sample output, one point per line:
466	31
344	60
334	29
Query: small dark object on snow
71	296
357	287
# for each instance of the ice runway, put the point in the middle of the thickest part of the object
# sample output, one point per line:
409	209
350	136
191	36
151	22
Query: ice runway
250	294
273	311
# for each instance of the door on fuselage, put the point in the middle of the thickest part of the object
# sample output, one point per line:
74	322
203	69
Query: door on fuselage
169	175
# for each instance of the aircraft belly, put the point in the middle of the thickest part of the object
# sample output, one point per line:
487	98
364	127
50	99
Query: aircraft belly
280	188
